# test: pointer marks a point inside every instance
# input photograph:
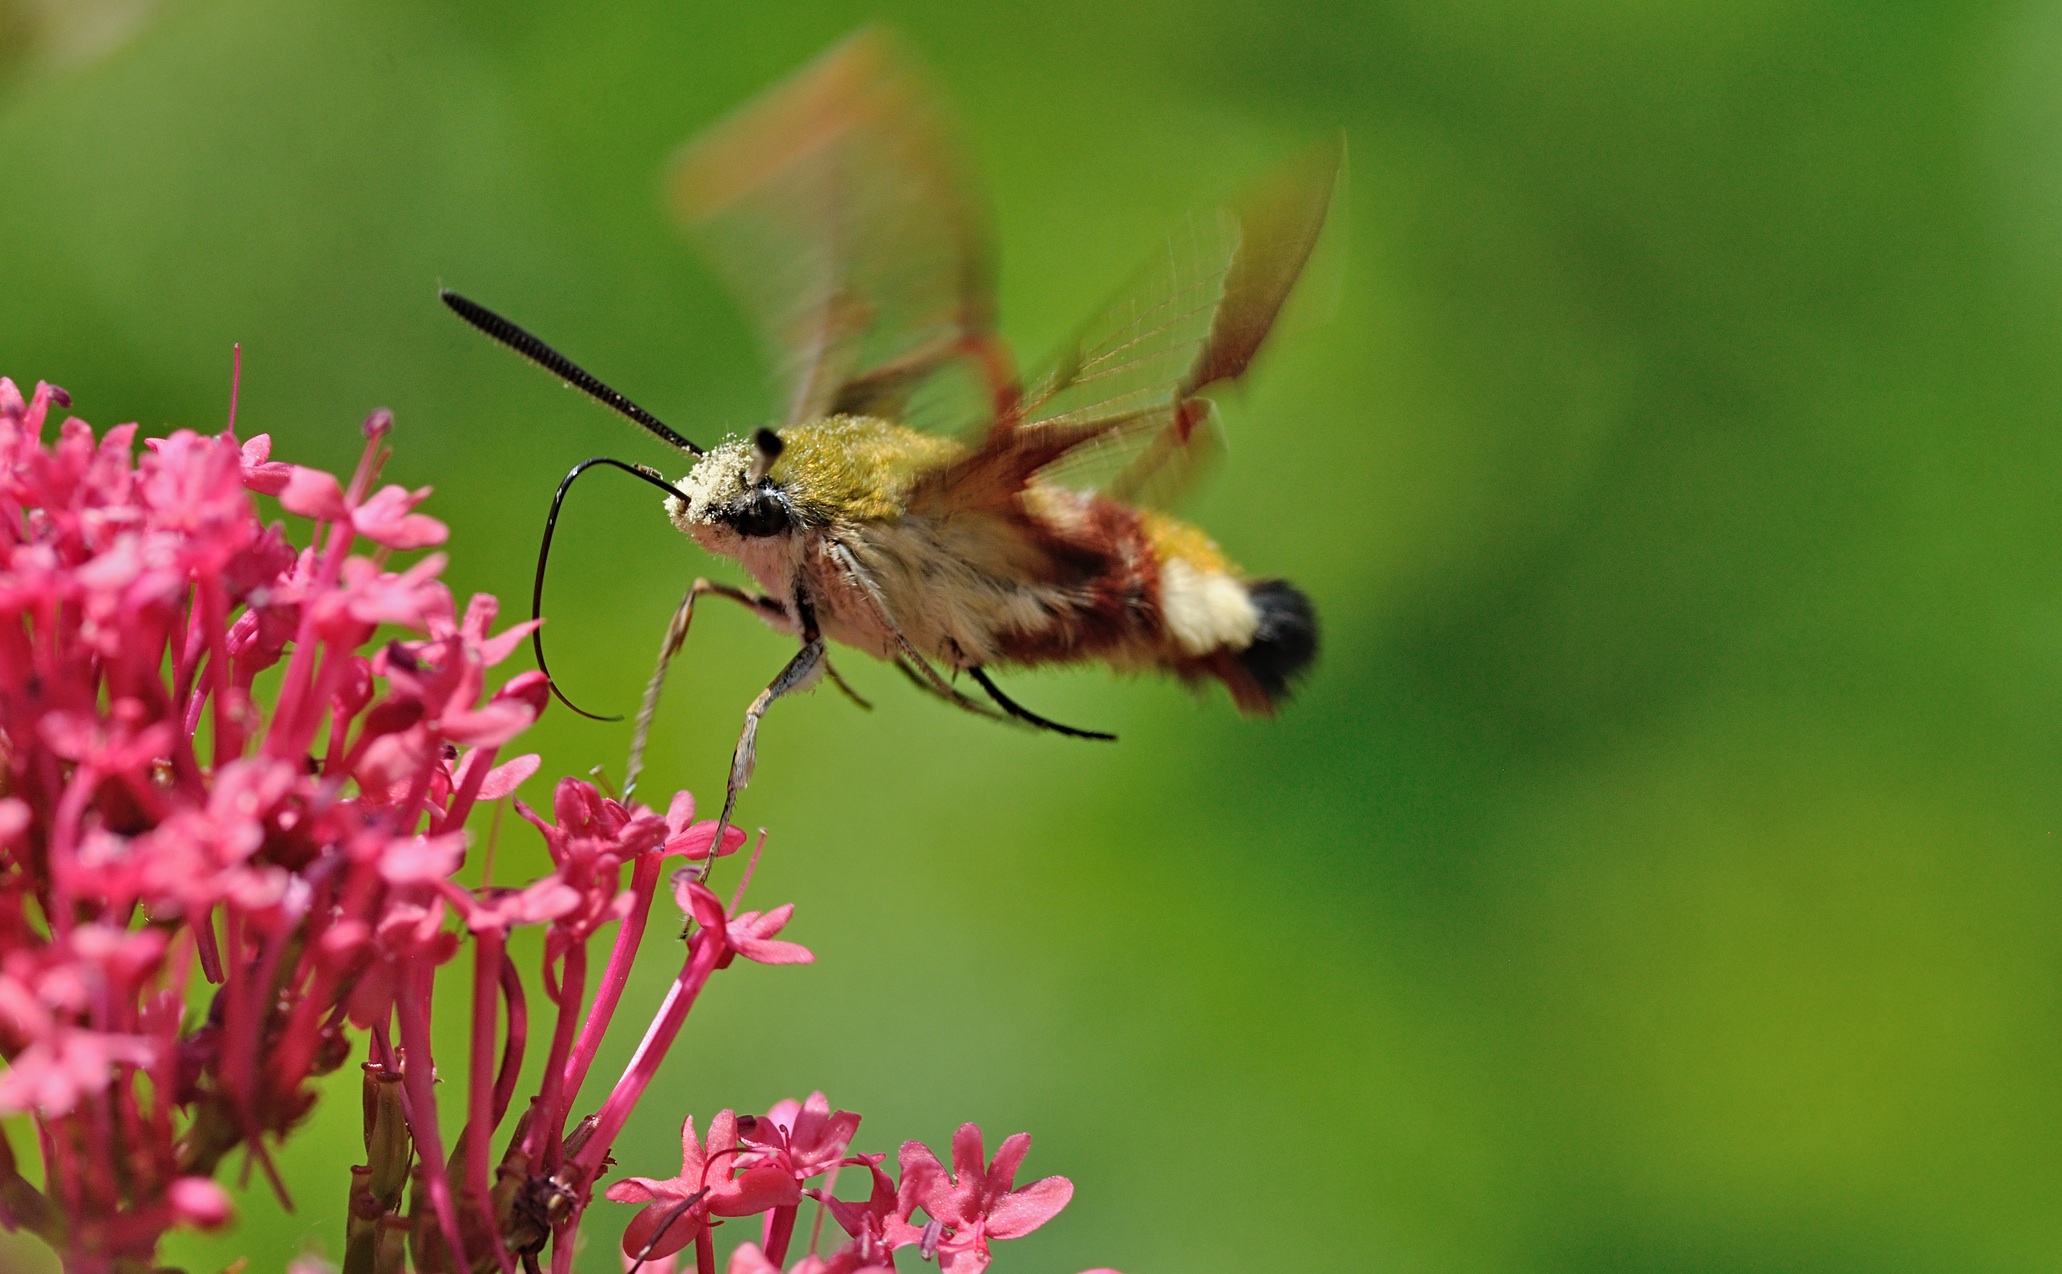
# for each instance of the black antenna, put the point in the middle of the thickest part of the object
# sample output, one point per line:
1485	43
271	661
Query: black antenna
544	554
530	347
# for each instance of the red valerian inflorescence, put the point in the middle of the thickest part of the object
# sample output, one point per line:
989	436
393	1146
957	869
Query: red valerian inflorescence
211	892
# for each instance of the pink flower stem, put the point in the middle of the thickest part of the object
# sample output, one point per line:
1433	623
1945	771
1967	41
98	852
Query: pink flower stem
228	737
71	807
780	1228
706	948
235	380
518	1038
705	1252
418	1079
751	865
488	946
644	884
462	800
555	1097
205	946
293	688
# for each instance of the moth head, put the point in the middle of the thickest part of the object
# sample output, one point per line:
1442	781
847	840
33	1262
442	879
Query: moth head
732	490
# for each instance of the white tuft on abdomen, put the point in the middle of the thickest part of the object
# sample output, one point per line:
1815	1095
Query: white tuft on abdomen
1205	611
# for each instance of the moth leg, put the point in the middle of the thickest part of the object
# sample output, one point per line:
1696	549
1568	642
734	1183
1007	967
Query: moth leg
838	680
799	672
676	636
933	684
1024	714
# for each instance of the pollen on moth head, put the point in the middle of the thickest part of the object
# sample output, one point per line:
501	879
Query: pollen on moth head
719	477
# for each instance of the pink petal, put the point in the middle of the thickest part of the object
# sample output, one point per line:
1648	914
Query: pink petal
503	644
385	519
783	1114
969	1160
491	726
970	1259
680	812
313	494
773	951
722	1132
639	1190
1002	1173
260	473
694	842
748	1259
1022	1211
199	1203
704	906
692	1160
759	1189
422	860
508	776
923	1180
674	1228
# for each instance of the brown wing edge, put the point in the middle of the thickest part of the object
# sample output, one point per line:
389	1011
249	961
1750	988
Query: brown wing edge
1280	221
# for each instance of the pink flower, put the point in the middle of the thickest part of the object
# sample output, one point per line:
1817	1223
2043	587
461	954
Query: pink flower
540	903
387	519
676	1209
877	1226
691	840
749	934
805	1138
199	1203
976	1204
54	1072
422	860
260	472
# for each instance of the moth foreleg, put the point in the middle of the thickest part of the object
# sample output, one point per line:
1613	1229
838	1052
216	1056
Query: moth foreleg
800	670
765	607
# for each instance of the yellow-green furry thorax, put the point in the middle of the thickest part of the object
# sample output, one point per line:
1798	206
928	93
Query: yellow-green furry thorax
854	468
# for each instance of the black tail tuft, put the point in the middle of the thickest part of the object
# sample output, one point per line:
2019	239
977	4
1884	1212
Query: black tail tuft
1285	644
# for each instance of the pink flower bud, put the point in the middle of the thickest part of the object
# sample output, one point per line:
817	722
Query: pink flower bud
532	688
199	1203
313	494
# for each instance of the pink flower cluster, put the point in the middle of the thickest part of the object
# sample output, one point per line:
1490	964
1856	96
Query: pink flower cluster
235	781
763	1165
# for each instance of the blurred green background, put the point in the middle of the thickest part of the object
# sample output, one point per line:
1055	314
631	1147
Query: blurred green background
1658	874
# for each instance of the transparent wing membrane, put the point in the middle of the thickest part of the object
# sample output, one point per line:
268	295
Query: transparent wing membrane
839	208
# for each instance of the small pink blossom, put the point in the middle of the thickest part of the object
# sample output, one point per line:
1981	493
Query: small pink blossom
806	1138
199	1203
686	838
54	1072
261	473
749	934
387	519
312	494
978	1202
678	1207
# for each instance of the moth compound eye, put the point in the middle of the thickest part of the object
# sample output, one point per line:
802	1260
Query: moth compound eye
761	513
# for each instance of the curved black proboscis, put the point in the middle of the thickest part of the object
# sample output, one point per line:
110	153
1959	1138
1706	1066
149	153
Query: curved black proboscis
544	555
531	347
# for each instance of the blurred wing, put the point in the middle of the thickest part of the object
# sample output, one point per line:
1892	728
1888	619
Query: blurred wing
1120	408
839	209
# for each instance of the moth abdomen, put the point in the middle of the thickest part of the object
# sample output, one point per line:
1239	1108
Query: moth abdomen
1285	639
